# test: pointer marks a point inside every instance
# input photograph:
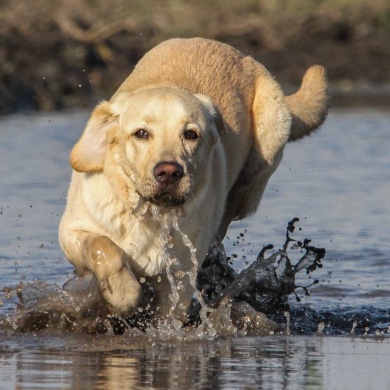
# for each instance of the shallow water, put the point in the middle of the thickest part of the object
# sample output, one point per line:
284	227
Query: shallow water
336	182
292	362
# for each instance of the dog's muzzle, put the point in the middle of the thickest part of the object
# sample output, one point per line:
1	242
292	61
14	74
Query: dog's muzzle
168	175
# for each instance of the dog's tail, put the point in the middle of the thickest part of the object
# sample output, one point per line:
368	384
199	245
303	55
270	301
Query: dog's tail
309	105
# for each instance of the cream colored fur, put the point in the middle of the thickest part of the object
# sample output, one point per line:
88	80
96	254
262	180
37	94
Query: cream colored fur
113	226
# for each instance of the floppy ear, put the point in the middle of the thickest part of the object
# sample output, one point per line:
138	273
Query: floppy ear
90	151
215	113
271	118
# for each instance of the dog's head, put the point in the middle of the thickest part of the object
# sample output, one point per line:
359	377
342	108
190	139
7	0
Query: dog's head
160	138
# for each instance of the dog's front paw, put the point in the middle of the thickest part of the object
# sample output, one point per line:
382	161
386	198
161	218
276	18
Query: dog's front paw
122	292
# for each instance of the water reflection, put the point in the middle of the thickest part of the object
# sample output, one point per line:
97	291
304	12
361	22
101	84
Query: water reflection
223	363
231	363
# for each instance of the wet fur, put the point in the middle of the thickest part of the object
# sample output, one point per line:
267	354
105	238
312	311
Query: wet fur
114	228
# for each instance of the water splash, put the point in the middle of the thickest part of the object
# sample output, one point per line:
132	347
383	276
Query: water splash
225	302
169	261
43	306
346	321
266	283
204	310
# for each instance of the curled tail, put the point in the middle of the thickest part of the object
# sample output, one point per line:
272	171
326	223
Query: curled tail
309	105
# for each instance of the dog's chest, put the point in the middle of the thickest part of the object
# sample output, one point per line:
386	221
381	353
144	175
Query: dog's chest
151	243
149	236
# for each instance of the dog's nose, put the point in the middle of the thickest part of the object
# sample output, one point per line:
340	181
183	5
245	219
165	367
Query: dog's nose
168	173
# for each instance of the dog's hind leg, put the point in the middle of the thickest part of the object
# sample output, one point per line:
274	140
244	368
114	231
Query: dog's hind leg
276	120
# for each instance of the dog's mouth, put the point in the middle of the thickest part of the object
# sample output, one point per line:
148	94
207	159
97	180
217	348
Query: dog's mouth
167	200
166	195
164	202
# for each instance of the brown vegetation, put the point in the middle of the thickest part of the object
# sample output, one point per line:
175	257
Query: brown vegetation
65	53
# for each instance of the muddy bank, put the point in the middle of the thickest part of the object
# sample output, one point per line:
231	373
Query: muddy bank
73	56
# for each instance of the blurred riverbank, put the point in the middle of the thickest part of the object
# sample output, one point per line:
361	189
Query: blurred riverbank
72	53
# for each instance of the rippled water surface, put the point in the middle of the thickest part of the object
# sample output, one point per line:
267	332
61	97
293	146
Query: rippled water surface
337	182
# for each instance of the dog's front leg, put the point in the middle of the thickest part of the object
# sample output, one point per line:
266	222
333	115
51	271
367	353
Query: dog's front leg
110	266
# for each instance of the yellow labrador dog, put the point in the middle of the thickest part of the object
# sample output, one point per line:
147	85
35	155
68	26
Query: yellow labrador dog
185	146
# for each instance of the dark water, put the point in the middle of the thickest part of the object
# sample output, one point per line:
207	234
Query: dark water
337	182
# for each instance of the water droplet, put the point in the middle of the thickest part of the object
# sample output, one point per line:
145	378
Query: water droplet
320	328
180	274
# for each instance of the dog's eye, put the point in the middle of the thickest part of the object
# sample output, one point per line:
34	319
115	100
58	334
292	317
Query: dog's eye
142	133
191	135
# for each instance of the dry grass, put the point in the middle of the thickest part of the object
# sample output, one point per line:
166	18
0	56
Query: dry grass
65	52
94	21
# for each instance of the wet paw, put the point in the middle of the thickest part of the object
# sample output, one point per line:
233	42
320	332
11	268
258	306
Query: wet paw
122	292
